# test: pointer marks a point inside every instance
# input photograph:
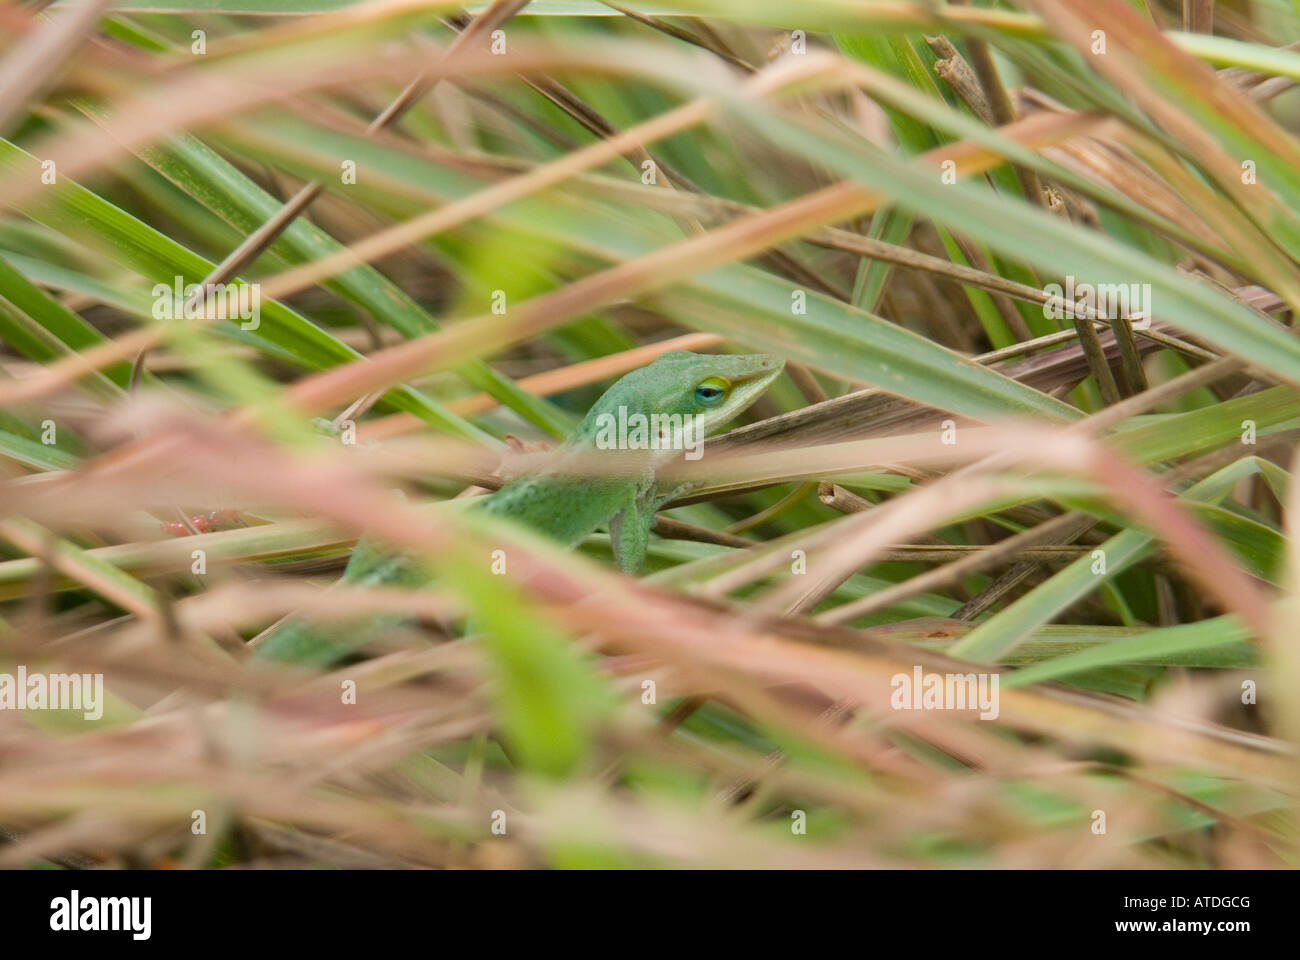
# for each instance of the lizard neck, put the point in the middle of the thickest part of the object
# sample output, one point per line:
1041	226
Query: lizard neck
641	435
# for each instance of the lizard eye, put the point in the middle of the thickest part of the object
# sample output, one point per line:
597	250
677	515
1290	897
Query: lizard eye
712	391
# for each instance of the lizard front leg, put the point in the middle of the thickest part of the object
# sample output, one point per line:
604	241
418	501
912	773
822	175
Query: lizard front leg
629	528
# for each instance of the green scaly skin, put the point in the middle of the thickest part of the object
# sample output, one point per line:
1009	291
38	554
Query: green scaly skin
566	502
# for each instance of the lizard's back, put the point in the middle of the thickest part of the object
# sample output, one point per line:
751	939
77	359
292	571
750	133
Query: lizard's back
565	509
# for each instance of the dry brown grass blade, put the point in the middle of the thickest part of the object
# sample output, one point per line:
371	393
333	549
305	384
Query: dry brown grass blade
23	75
863	678
1132	39
1013	546
30	539
845	546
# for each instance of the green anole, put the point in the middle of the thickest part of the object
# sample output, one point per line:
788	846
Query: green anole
644	420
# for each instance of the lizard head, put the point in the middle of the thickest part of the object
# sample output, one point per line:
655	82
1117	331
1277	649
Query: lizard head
713	388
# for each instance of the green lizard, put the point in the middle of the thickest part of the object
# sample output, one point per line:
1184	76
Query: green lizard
566	502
